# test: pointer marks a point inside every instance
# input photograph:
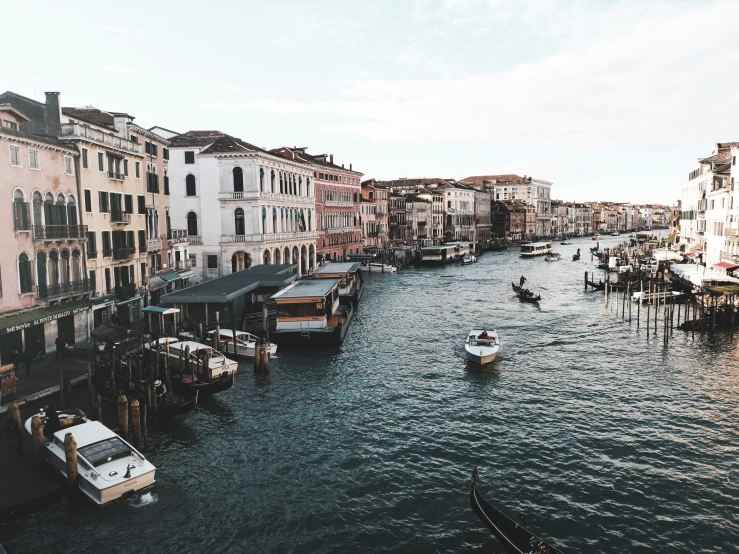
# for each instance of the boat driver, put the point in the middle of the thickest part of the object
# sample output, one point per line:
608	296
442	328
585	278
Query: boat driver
161	391
484	336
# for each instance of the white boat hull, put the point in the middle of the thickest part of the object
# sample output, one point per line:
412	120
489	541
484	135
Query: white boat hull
481	351
481	356
377	268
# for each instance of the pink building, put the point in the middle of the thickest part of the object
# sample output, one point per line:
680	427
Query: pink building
44	291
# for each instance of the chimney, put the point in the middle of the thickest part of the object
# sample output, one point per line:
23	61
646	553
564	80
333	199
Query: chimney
350	167
53	115
332	159
342	166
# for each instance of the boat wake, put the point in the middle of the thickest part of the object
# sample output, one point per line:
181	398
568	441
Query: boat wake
143	500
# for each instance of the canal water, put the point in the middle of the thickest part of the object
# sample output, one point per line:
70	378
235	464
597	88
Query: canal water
601	439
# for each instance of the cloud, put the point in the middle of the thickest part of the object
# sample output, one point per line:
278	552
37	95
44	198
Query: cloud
117	69
631	75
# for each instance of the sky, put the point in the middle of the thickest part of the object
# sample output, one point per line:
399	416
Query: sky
611	100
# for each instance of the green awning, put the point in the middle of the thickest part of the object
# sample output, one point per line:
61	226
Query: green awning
170	276
40	316
160	310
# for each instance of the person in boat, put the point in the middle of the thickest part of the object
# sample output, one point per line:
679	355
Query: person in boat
483	336
161	391
51	425
522	281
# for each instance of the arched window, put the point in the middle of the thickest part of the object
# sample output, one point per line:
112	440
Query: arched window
72	213
274	220
21	213
169	225
76	266
25	273
309	227
239	220
64	268
61	210
307	186
37	209
53	267
49	209
300	186
190	185
238	179
264	220
192	224
273	181
282	185
43	291
261	179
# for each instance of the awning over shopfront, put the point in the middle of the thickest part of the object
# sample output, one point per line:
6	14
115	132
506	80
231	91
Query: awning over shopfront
191	275
157	283
129	300
678	245
169	277
161	310
725	266
41	316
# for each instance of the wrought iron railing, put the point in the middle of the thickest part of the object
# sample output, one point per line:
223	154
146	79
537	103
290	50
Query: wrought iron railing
59	232
59	290
123	253
120	217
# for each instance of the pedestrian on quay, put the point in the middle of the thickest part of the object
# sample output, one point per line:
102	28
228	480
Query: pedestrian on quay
39	350
27	359
60	344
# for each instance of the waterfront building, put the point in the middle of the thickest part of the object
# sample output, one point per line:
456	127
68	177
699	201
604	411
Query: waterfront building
436	226
44	291
418	220
379	194
367	213
459	210
239	205
536	192
560	221
580	219
482	219
717	210
337	197
645	217
397	218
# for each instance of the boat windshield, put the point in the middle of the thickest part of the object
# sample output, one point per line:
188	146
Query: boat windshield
105	451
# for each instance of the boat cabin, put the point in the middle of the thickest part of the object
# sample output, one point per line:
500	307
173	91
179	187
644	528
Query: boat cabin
462	248
218	364
310	309
535	249
438	255
351	284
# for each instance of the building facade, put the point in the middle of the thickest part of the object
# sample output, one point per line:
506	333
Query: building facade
239	205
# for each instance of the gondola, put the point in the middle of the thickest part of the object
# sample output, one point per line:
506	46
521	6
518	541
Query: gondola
516	538
576	256
597	286
184	384
182	404
525	294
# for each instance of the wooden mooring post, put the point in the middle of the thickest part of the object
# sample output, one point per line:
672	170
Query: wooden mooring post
586	280
218	333
649	301
167	373
67	392
14	413
136	421
144	413
37	436
70	454
123	416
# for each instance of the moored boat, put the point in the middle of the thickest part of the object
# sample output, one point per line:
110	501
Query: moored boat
553	257
469	259
615	234
378	268
109	468
535	249
481	346
516	538
525	294
242	345
350	275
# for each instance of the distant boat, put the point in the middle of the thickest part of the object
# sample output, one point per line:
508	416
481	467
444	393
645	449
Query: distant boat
481	346
525	294
565	242
597	236
469	259
576	256
615	234
516	538
553	257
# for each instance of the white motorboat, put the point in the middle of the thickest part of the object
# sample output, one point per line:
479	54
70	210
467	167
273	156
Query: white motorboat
243	345
469	259
597	236
108	467
219	365
565	242
553	257
663	297
481	346
615	234
378	268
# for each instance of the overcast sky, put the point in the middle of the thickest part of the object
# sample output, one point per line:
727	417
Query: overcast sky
609	100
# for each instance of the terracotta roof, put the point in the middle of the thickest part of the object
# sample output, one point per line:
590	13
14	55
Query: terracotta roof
721	168
195	138
299	154
722	145
479	180
413	182
725	155
227	144
91	115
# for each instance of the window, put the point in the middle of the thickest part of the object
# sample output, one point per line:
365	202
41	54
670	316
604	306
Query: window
166	185
154	150
85	162
189	157
142	204
21	212
88	201
165	153
212	261
147	147
107	251
15	155
101	162
192	224
129	203
10	125
138	170
92	248
238	176
33	159
103	202
125	167
142	241
93	284
239	221
25	273
190	185
193	260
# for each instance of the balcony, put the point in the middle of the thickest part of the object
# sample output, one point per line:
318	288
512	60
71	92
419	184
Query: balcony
178	236
75	130
120	218
115	176
123	254
179	265
59	232
338	203
339	230
153	245
284	237
254	195
60	290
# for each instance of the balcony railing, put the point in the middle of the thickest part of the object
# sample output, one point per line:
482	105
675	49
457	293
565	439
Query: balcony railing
115	176
125	292
339	230
59	232
178	235
194	239
179	265
122	218
283	237
339	203
60	290
252	195
152	245
75	130
122	254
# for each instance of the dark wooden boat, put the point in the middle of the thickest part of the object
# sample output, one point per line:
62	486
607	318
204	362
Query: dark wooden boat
525	294
181	404
516	538
575	257
184	384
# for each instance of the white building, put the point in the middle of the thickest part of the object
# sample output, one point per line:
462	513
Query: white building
580	220
240	205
